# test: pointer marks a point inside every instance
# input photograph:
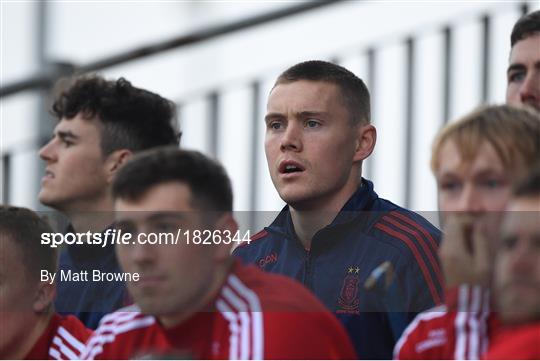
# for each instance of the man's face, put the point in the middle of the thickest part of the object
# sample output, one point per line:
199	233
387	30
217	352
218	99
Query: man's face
517	267
524	73
476	187
173	278
16	299
75	176
310	144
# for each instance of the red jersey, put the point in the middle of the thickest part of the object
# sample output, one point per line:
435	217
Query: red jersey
63	339
254	316
458	330
516	343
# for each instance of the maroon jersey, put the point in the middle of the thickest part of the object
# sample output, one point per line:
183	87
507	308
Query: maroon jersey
63	339
254	316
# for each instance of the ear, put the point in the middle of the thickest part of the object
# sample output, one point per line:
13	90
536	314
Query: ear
227	225
44	297
365	142
115	161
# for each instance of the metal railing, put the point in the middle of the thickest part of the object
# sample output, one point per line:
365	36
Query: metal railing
214	96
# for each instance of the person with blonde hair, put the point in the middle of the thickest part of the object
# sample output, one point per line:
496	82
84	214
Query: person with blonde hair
476	161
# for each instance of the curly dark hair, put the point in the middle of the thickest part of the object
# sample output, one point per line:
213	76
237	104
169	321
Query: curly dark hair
526	26
131	118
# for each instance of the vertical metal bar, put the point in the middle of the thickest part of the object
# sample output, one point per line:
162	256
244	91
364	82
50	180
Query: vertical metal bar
254	160
213	131
524	8
41	36
447	73
369	166
44	124
485	70
179	121
409	118
6	170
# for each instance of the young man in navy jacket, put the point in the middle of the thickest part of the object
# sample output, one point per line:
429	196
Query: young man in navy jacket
370	261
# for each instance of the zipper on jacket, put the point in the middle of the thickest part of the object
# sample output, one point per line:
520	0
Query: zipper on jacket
308	277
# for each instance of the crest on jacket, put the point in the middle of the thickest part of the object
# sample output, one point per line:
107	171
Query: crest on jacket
348	301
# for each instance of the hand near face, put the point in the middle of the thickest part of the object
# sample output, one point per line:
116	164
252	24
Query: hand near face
465	252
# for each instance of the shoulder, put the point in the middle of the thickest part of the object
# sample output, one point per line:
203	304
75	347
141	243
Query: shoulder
284	316
398	224
306	334
427	319
418	241
414	236
263	236
261	249
256	240
425	333
519	342
274	292
120	324
69	338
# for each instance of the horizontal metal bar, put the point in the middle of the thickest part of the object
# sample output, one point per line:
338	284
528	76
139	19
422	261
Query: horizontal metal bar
47	78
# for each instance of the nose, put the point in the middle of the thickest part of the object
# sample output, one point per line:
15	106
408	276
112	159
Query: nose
47	152
469	201
292	138
143	254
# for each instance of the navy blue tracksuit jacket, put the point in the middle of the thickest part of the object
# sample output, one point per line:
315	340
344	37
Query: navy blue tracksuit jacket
367	232
89	301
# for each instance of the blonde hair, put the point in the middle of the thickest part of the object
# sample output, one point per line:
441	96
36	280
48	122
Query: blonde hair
514	133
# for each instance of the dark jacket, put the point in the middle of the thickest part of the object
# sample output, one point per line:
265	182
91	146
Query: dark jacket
367	232
89	301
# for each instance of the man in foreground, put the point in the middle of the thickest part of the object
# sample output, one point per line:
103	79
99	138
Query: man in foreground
193	300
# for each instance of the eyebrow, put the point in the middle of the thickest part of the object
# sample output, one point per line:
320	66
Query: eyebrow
485	172
63	134
519	66
308	114
303	114
515	66
488	172
271	116
160	216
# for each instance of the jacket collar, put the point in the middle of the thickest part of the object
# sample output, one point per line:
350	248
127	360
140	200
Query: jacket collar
362	200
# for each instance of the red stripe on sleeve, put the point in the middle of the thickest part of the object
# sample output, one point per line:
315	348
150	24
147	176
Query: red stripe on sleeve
419	260
423	244
411	222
